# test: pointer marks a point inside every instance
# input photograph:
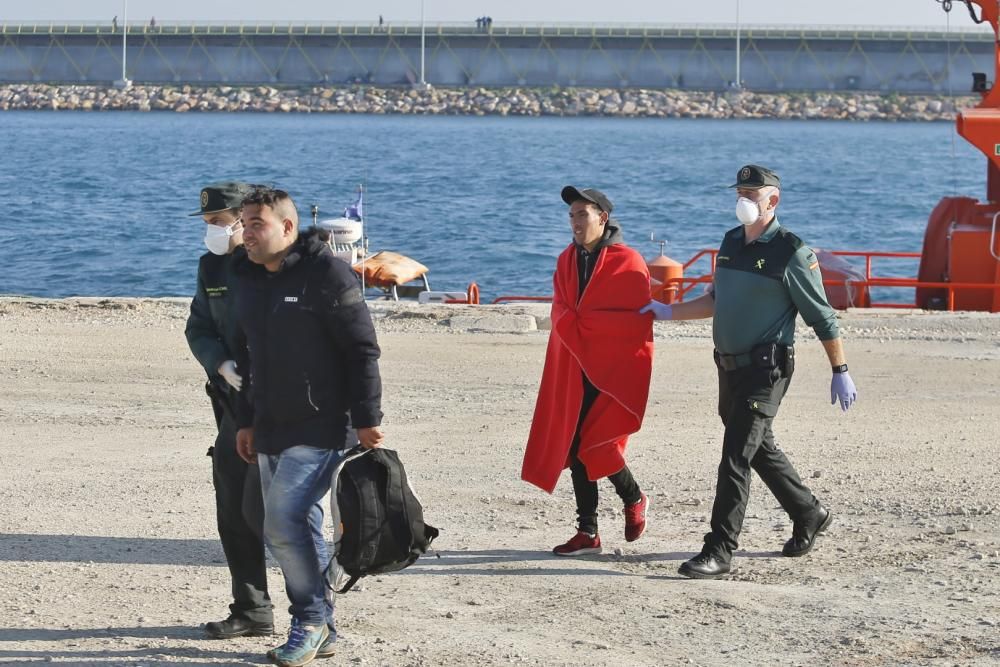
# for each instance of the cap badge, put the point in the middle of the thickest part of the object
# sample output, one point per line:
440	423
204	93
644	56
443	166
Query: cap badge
745	174
204	198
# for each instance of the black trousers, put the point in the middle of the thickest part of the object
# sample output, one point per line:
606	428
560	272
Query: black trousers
748	402
239	508
584	489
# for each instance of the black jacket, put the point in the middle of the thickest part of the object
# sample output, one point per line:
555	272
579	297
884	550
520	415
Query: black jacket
586	260
313	355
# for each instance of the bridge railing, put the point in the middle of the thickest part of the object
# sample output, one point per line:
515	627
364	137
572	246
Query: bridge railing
634	30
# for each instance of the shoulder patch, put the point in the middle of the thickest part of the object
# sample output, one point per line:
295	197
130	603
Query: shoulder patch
790	238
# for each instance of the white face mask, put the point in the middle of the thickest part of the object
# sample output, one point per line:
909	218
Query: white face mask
217	238
747	211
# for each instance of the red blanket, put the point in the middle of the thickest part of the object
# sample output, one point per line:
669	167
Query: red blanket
605	337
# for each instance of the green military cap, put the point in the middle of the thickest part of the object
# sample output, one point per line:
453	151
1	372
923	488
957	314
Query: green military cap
754	176
222	196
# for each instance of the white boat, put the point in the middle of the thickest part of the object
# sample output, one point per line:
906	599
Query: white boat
395	275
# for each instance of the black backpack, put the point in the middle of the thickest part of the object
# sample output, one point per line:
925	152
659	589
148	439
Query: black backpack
378	520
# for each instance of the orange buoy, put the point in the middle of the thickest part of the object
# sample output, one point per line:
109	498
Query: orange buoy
472	293
661	270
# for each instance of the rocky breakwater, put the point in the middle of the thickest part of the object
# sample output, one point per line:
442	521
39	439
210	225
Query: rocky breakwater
641	103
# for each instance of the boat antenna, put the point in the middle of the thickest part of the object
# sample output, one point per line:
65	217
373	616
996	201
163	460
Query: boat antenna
315	213
662	242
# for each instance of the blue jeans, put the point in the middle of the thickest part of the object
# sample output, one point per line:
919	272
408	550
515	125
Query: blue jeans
293	483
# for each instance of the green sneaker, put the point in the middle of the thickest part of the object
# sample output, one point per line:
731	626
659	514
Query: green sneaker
304	642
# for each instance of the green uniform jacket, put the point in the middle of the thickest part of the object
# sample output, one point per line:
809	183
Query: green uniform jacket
760	288
213	332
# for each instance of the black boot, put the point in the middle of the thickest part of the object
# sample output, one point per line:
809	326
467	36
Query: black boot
237	626
804	533
705	565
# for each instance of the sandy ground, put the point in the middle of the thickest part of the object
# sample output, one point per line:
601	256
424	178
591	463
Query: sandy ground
108	551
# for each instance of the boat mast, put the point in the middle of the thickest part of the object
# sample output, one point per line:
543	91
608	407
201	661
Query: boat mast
364	239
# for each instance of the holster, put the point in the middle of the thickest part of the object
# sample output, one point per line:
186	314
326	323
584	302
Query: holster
774	355
221	402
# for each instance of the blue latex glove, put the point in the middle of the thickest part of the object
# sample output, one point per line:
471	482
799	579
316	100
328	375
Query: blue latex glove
842	389
661	311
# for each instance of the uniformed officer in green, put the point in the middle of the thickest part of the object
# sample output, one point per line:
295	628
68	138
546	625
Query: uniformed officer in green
764	277
214	336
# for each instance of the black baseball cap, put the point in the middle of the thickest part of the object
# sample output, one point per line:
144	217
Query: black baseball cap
753	176
222	197
571	194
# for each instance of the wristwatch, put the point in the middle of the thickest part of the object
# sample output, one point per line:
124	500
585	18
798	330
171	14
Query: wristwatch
840	369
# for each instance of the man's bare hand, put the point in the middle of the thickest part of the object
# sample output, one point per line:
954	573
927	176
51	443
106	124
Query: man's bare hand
244	445
371	437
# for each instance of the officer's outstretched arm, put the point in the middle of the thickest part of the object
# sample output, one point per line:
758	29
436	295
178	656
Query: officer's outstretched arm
696	309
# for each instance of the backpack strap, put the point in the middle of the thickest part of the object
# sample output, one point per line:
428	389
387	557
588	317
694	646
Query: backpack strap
329	576
350	583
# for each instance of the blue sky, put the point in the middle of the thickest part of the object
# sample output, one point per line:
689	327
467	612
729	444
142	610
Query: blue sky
798	12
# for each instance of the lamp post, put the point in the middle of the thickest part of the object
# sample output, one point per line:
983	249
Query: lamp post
124	82
738	80
423	31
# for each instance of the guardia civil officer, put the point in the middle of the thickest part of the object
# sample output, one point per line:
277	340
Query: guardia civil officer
213	334
764	277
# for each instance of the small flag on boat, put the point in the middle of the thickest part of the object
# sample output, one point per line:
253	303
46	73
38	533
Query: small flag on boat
354	212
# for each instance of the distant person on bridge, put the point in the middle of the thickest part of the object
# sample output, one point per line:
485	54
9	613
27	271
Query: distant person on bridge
213	335
765	277
597	369
114	24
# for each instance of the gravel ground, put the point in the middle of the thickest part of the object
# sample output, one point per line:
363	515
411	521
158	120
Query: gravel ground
110	555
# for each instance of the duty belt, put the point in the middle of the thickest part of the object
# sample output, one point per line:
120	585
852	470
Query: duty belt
765	355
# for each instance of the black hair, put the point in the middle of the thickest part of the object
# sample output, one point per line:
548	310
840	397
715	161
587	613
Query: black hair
265	195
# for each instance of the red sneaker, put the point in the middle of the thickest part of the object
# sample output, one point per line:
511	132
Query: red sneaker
580	545
635	519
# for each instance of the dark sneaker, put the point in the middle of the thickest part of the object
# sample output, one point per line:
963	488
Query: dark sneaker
304	642
580	545
804	533
237	626
704	566
635	519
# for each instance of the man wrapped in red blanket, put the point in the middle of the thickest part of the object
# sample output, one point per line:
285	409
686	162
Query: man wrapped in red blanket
597	368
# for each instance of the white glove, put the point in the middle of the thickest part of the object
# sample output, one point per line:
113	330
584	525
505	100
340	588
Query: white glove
227	369
661	311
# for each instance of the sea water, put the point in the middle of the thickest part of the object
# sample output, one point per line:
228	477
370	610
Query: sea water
97	204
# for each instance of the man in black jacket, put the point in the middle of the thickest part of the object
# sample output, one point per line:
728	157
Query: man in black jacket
315	390
213	335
